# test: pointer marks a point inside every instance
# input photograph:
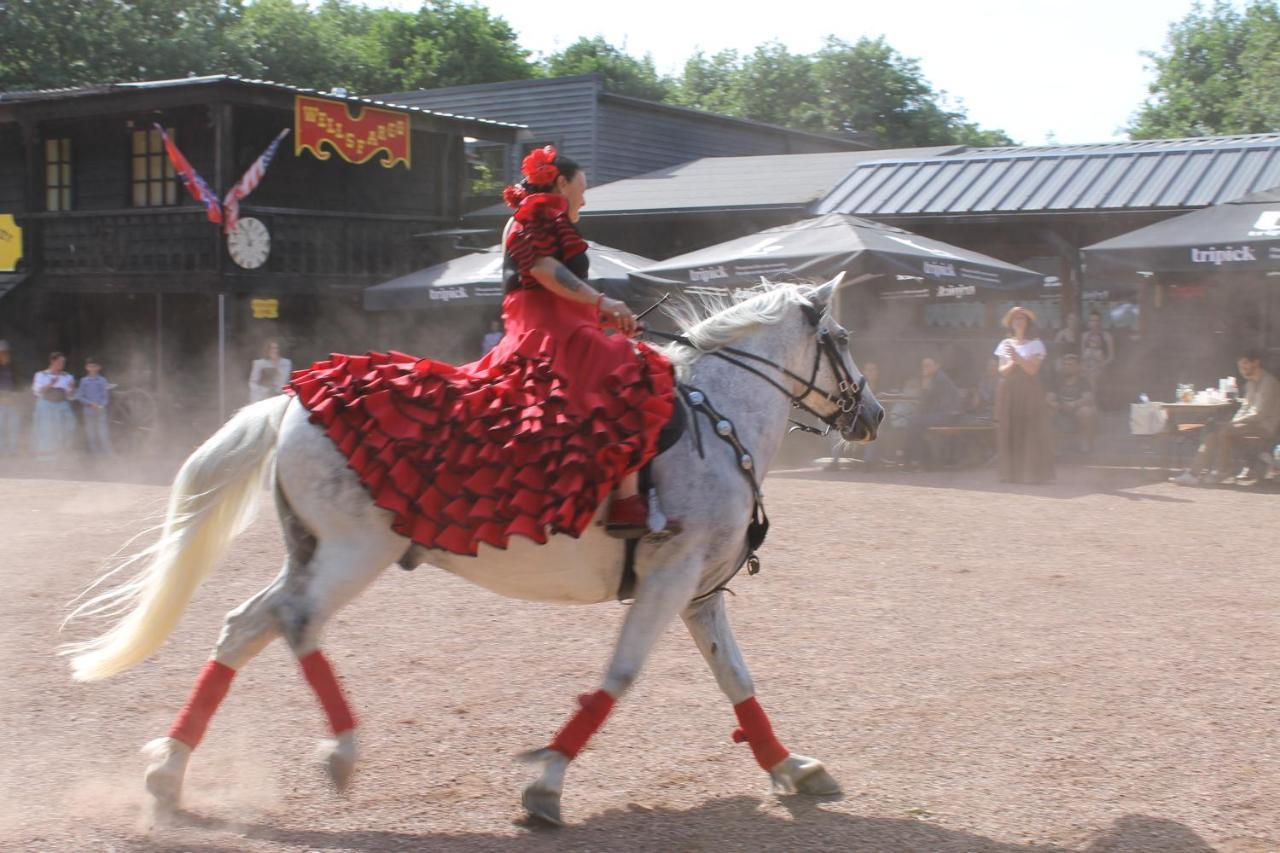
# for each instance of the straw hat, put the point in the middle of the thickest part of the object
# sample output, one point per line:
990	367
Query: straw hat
1007	322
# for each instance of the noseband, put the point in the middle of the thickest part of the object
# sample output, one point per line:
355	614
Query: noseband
848	396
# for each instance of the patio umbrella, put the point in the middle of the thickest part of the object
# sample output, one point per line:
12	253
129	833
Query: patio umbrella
476	280
1238	236
816	249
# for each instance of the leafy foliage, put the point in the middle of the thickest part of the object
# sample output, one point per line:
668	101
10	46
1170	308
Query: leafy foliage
1216	74
337	43
864	87
622	73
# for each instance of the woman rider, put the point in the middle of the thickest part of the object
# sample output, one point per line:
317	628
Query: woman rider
534	435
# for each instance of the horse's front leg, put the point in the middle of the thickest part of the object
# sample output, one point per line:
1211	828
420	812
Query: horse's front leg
791	773
660	595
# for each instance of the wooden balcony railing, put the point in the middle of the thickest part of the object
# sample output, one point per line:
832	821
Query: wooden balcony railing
175	240
124	242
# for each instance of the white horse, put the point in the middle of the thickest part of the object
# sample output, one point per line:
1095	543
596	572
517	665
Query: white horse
338	542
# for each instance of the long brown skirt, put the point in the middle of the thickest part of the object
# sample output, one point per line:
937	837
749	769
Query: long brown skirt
1024	436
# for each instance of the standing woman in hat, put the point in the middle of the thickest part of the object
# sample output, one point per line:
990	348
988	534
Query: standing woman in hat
1023	433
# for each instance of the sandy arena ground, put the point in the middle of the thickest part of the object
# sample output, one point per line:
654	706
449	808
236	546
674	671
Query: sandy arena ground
1087	666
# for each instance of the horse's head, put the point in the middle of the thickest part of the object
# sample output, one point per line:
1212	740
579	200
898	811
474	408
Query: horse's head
841	395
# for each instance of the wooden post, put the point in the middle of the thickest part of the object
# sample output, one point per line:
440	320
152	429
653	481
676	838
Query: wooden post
223	174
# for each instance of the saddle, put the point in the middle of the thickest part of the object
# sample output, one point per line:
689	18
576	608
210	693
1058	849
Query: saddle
690	403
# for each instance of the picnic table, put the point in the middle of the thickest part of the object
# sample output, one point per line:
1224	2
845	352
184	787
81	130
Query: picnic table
1183	417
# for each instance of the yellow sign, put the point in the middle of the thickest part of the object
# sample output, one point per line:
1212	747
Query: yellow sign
265	309
10	243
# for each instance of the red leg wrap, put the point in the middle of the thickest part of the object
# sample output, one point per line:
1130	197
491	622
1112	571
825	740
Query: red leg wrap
754	728
211	687
315	666
594	709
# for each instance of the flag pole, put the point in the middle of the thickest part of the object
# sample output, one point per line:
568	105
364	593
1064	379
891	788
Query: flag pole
222	357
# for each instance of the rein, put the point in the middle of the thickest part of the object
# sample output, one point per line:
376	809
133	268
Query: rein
848	396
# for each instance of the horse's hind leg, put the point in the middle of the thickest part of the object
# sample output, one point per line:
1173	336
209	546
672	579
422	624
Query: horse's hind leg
246	631
791	773
340	570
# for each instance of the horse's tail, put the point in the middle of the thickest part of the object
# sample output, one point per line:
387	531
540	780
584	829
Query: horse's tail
213	499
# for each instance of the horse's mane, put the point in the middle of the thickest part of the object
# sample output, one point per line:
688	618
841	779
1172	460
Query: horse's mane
711	322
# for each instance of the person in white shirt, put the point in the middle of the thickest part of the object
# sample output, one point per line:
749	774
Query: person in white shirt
54	424
1024	437
269	374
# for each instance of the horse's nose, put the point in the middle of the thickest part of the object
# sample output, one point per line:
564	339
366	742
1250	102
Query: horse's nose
879	415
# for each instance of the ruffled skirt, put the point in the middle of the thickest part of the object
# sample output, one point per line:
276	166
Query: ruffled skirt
515	444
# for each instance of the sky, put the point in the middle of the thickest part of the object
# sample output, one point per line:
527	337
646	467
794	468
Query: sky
1040	70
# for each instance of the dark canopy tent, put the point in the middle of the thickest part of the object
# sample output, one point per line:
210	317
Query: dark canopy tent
817	249
1239	236
476	280
1212	287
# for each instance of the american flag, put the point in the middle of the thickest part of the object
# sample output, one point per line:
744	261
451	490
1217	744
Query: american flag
248	183
191	179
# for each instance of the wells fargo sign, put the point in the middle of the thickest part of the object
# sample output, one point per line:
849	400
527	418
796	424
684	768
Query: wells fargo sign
317	121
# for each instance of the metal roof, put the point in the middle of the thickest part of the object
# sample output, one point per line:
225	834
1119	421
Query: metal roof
717	184
35	95
1144	175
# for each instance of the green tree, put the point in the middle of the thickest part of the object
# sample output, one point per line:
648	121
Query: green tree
342	43
777	86
1216	74
623	74
336	43
459	43
50	43
869	87
708	83
865	87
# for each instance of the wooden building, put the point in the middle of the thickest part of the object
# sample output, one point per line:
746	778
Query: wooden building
119	261
612	136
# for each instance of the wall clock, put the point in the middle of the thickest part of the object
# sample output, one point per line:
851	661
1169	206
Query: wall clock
249	243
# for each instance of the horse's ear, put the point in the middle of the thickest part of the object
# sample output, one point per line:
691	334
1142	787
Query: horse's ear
822	296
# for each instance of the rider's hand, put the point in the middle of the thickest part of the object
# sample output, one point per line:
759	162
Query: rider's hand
616	314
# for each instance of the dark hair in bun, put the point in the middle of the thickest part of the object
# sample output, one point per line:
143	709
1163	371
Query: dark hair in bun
565	167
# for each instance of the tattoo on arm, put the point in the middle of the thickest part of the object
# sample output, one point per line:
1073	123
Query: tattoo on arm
567	279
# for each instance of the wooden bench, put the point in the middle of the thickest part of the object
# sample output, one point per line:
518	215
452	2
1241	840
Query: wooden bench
965	444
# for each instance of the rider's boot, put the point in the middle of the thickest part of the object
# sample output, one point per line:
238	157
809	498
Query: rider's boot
628	518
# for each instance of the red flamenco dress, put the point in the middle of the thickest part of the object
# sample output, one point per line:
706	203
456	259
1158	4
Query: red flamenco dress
529	440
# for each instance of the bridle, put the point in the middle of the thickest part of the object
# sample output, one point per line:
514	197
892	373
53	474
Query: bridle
847	400
847	397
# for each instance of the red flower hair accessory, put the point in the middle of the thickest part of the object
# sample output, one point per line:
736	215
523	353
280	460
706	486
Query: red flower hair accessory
514	194
539	167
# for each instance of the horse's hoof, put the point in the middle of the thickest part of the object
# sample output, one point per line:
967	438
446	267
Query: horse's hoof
339	758
819	783
798	774
163	779
542	803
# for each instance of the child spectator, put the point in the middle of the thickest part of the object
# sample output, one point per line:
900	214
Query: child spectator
94	395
